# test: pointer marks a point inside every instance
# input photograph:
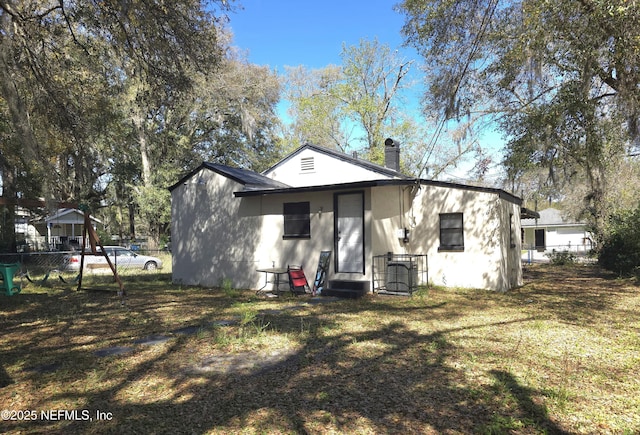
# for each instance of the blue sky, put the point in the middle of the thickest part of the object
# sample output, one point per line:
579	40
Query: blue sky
311	33
281	33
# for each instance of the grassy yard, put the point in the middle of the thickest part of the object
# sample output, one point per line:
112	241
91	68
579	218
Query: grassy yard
559	355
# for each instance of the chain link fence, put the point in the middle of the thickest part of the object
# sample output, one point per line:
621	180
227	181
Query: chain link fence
63	266
543	254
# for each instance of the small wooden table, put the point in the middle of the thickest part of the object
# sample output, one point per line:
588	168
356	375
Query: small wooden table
276	272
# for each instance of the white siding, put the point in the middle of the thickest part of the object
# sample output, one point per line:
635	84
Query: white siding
575	239
311	168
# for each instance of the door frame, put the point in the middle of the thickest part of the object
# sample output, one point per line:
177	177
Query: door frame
336	257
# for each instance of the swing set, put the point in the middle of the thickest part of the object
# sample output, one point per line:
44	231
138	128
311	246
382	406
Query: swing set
8	271
88	233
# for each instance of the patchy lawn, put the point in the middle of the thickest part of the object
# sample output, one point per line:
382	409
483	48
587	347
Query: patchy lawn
559	355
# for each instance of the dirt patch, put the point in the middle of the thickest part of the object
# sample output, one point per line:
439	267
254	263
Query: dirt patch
245	363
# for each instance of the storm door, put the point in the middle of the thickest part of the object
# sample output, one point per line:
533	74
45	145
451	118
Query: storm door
349	232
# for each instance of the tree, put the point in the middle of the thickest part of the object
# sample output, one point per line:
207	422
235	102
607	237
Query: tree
374	80
317	114
559	78
227	116
352	107
55	98
355	106
102	97
621	248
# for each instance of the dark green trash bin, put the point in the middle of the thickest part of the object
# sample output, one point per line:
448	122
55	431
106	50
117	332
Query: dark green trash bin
7	272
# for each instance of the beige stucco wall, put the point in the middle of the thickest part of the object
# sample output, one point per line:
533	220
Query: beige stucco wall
274	250
216	235
390	207
488	260
206	244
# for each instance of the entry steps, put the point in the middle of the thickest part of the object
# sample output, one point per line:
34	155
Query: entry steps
351	289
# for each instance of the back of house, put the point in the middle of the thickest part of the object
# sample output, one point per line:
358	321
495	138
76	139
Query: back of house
228	223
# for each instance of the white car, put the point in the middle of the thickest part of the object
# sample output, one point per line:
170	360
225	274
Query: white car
119	256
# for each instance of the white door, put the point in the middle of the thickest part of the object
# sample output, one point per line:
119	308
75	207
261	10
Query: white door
349	232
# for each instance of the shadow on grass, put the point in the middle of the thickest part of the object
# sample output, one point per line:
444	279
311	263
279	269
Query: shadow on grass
573	294
526	410
382	378
320	385
390	371
5	379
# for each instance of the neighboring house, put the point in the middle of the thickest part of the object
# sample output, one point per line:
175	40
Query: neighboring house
553	232
61	231
27	236
228	222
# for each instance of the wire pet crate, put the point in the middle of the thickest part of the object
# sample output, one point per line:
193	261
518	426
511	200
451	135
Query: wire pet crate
399	273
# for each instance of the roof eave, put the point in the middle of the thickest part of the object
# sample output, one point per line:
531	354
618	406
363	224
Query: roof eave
186	177
319	188
213	168
377	183
526	213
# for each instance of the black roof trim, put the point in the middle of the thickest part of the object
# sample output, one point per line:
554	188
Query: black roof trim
501	193
256	184
526	213
323	188
249	179
375	183
344	157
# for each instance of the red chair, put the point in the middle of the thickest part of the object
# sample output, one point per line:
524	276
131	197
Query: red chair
297	280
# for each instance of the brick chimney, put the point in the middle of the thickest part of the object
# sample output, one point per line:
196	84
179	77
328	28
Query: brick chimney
392	154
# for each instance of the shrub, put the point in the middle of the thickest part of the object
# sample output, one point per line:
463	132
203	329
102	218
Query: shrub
620	251
561	258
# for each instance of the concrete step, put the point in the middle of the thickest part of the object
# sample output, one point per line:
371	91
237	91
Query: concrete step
347	288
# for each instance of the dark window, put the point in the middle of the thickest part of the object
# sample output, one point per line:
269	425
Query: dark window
451	232
297	222
512	239
539	239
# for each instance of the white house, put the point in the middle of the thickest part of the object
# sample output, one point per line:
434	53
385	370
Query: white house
61	230
227	223
27	236
553	232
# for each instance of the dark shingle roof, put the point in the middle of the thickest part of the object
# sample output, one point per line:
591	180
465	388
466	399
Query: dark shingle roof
251	180
384	182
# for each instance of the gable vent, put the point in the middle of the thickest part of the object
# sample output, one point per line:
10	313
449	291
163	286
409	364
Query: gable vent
307	164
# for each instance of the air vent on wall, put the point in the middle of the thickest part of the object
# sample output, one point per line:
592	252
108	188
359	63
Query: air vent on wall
307	164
